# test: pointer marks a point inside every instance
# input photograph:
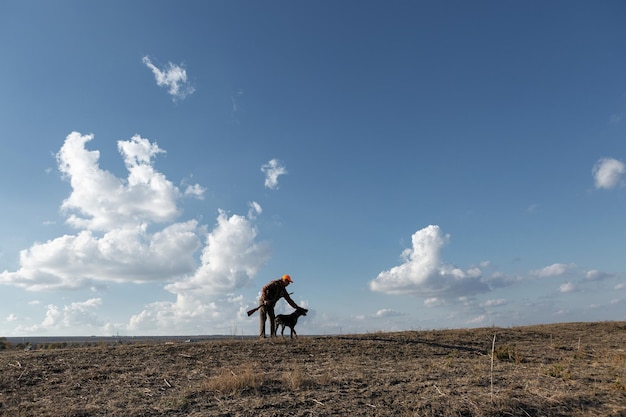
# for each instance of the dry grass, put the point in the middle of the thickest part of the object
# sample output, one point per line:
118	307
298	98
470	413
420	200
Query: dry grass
575	369
243	378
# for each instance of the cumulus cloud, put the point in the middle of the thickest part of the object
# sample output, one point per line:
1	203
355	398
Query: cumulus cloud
423	273
121	255
608	172
230	259
272	170
191	314
81	314
173	77
128	234
578	278
100	201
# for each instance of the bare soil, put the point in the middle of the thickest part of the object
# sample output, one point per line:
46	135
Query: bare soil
570	369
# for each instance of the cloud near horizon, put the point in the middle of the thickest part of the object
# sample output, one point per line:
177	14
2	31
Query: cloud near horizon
422	272
66	318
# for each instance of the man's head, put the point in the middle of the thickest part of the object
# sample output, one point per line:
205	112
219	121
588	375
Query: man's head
286	280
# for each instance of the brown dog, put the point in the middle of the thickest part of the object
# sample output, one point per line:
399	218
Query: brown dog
289	320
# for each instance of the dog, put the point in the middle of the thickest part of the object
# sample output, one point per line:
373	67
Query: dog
289	320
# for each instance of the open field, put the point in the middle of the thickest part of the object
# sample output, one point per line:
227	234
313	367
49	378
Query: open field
574	369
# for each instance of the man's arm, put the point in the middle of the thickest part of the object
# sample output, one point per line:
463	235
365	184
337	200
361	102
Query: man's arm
289	300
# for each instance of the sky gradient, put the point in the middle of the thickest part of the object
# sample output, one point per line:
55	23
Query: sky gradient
411	165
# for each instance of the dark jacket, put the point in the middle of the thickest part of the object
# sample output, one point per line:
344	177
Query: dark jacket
274	291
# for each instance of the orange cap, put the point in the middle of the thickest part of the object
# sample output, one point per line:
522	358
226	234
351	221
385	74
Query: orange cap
287	278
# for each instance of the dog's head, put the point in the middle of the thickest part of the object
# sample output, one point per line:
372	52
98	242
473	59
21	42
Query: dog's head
302	311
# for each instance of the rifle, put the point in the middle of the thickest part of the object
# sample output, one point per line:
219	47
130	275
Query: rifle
252	311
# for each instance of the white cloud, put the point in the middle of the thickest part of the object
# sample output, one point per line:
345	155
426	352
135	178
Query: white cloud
433	302
478	320
386	312
173	77
254	210
120	240
380	314
423	273
567	287
11	317
553	270
65	319
125	254
196	191
272	170
494	303
595	275
192	314
230	259
607	172
100	201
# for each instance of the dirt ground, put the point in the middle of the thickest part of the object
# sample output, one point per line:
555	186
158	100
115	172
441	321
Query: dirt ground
574	369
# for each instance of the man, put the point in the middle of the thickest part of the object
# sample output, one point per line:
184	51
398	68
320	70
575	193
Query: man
270	294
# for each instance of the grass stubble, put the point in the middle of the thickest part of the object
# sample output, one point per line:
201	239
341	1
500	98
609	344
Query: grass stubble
569	369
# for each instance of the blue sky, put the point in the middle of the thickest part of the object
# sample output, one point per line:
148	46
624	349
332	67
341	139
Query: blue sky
412	165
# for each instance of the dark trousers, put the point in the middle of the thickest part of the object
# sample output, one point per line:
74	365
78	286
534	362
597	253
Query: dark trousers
265	312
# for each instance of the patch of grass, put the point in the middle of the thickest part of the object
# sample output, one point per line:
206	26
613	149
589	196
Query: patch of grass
296	379
508	353
181	403
558	371
325	379
236	380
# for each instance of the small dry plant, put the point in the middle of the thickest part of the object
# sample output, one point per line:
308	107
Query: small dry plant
508	353
296	379
557	370
231	381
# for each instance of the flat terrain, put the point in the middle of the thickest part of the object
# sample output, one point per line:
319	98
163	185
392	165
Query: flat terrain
572	369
